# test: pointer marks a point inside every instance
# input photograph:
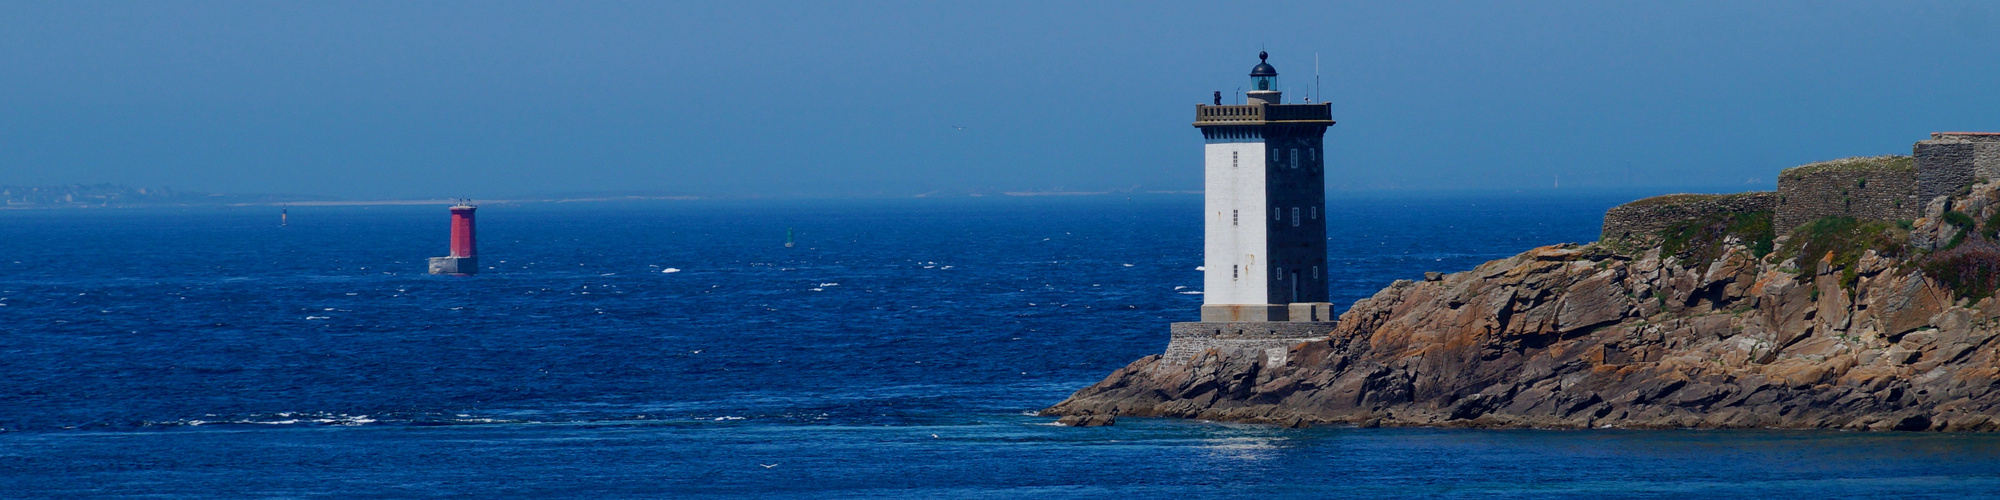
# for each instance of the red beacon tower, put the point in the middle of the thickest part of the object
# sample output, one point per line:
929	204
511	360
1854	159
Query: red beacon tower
464	258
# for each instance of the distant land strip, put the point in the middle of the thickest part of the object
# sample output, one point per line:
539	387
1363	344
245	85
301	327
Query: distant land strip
1054	193
357	203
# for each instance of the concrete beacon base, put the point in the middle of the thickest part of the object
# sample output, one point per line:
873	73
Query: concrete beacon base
455	265
1274	339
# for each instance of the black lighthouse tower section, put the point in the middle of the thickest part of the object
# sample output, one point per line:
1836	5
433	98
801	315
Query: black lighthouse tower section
1295	188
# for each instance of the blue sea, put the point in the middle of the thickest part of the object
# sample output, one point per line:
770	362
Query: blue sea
680	350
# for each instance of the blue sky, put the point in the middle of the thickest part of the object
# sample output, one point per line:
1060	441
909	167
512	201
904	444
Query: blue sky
784	99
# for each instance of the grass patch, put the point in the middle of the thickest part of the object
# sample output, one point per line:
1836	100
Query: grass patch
1846	240
1961	221
1869	164
1699	241
1687	199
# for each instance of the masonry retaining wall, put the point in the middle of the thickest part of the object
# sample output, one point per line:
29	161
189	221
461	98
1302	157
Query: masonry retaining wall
1272	338
1883	188
1650	215
1949	161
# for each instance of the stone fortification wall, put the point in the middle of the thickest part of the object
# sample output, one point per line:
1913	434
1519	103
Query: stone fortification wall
1871	188
1650	215
1868	188
1950	161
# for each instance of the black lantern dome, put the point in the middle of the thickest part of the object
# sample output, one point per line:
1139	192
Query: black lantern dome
1263	68
1263	76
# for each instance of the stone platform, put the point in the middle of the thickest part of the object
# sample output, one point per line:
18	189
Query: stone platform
1273	338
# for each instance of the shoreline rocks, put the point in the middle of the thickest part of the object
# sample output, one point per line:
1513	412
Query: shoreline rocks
1811	335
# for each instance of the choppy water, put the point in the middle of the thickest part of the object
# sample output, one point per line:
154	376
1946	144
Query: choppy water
896	352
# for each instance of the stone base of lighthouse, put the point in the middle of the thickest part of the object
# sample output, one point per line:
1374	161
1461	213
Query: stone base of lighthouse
455	265
1273	339
1297	311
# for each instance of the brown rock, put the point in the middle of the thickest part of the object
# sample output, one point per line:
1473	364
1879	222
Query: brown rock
1905	303
1087	420
1595	301
1563	252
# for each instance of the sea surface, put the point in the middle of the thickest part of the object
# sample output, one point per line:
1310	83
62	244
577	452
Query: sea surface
680	350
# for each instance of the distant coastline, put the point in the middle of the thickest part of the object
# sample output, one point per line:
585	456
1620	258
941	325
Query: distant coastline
77	196
441	201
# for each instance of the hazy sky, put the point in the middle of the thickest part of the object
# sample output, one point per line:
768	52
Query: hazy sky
738	98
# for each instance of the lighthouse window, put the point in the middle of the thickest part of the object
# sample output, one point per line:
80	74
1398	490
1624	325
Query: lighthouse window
1234	269
1232	217
1232	158
1295	158
1315	272
1295	216
1281	273
1274	213
1315	213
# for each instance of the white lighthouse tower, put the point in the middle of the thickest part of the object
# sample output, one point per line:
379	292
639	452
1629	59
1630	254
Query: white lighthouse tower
1264	246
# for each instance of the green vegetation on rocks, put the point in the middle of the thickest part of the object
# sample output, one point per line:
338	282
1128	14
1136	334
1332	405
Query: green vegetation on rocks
1971	272
1962	222
1841	241
1969	265
1680	199
1699	242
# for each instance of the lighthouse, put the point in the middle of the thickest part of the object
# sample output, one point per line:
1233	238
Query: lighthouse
464	258
1264	226
1264	238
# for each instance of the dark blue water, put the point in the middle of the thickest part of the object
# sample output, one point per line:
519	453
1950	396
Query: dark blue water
898	351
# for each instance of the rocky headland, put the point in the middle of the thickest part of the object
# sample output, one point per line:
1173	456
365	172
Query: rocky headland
1711	319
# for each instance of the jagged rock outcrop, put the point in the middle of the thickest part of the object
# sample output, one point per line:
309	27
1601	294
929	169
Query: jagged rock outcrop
1865	326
